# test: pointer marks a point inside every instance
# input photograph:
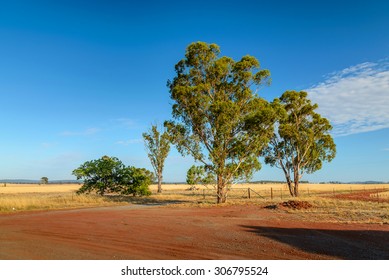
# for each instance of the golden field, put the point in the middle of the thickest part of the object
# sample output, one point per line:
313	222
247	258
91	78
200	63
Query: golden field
278	190
304	188
36	188
27	197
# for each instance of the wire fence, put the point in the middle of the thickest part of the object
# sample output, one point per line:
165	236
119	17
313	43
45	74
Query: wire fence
379	194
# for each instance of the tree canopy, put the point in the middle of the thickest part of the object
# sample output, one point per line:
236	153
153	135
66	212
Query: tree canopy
302	141
198	175
218	118
110	175
44	180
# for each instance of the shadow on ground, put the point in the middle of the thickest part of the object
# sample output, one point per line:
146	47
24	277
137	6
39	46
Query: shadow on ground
144	200
343	244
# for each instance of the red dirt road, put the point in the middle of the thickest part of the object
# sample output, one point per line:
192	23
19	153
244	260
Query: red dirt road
155	232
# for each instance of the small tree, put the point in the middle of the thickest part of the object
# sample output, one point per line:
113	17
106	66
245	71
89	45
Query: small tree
198	175
158	146
109	174
44	180
218	119
302	141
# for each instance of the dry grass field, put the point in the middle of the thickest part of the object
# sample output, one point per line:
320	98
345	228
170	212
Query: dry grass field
337	203
331	202
304	188
384	195
37	188
266	191
26	197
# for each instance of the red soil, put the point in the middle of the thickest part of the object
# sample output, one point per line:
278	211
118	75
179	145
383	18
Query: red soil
368	195
155	232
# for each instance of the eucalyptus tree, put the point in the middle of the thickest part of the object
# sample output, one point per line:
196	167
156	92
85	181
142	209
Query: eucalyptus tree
218	118
302	141
157	145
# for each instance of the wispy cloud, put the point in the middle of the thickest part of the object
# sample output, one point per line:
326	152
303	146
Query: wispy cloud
129	142
386	149
355	99
125	122
86	132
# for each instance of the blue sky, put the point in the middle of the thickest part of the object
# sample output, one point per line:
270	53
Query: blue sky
83	80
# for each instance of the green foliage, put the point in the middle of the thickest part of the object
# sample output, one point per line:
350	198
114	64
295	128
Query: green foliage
158	146
110	175
150	175
198	175
218	119
136	181
302	142
44	180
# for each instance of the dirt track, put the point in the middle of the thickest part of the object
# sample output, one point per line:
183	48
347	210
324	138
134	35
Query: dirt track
154	232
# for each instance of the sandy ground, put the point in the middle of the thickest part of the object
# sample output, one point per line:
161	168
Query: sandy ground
161	232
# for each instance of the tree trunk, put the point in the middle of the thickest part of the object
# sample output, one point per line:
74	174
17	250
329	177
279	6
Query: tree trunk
159	182
296	178
290	187
221	190
288	180
296	186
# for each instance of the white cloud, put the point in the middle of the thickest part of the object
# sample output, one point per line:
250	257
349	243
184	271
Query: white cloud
129	142
86	132
355	99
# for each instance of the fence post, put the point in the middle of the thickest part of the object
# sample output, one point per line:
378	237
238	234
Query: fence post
204	194
271	193
281	193
248	191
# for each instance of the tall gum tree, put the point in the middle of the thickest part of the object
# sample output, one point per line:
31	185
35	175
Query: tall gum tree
217	118
302	141
157	145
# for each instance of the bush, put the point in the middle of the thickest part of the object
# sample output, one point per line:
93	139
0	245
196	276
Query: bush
109	174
